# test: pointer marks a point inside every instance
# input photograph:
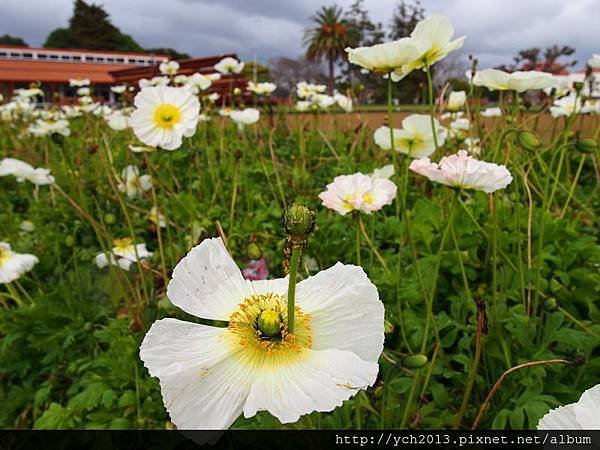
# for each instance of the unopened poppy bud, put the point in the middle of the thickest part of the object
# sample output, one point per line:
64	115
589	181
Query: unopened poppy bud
298	221
269	323
556	286
237	91
69	241
587	145
253	251
578	86
415	361
528	140
109	219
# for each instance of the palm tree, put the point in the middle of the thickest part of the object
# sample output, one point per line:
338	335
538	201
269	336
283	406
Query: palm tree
327	38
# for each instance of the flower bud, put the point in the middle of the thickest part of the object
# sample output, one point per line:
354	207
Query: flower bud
587	145
27	226
269	323
298	221
388	327
109	219
415	361
69	241
528	140
253	251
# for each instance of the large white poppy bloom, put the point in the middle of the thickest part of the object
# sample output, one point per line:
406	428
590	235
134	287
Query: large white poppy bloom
23	171
583	415
359	192
415	138
384	58
594	61
520	81
163	115
132	183
123	254
229	66
210	376
13	264
433	39
464	171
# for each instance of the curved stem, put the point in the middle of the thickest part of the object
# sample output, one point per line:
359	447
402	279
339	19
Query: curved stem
294	263
370	242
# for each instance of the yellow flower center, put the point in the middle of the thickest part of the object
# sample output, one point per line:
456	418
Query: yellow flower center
167	115
368	198
123	245
348	202
258	331
4	256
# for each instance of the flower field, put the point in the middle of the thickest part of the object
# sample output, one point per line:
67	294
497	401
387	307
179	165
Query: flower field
181	260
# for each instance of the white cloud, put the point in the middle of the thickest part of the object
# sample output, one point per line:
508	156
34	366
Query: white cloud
496	29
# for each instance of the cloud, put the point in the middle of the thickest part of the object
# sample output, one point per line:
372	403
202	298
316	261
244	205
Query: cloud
496	29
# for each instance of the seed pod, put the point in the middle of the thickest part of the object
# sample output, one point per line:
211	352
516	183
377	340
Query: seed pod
528	140
415	361
587	145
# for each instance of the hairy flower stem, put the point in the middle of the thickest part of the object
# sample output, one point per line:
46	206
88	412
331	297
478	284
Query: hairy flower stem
496	386
236	173
431	104
291	296
357	217
361	226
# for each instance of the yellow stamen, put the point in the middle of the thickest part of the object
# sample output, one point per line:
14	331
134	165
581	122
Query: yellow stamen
167	115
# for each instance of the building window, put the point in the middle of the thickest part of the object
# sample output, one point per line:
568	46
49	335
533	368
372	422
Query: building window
76	58
42	56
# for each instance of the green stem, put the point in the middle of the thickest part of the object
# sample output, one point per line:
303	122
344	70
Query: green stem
431	104
361	225
291	297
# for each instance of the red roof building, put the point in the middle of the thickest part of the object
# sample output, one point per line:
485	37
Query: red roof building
53	68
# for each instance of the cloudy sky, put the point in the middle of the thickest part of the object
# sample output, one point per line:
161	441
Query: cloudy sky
495	29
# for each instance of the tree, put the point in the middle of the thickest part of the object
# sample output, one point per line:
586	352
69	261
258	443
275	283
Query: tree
532	59
286	72
327	39
405	18
7	39
90	28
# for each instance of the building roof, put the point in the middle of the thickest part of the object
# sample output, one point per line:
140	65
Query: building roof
25	64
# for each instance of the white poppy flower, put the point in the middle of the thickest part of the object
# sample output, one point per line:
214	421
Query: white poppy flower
583	415
456	100
464	171
157	217
245	117
213	97
163	115
491	112
261	88
343	102
119	89
358	192
472	146
141	149
23	171
123	254
209	376
169	68
79	82
594	61
198	82
322	101
433	38
229	65
13	264
303	105
117	120
415	138
84	91
180	79
566	106
384	58
154	81
47	127
461	124
386	172
306	90
132	183
520	81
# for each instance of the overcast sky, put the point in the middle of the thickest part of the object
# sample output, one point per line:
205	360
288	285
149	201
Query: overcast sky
495	29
